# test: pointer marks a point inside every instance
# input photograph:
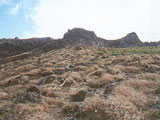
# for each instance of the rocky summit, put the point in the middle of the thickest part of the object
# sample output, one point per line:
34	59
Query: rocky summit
79	33
76	36
132	38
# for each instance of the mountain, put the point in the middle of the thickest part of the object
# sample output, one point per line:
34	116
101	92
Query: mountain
79	77
76	36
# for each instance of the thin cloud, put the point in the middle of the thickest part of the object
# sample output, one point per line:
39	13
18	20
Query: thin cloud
15	9
3	2
110	19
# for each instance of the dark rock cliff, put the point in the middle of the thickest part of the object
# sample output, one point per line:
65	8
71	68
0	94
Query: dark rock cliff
81	36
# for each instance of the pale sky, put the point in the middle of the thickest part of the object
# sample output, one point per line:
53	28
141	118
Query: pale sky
109	19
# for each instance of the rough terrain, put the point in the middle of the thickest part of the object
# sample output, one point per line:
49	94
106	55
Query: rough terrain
84	83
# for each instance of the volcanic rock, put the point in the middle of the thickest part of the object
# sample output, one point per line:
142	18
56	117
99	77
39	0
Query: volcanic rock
79	33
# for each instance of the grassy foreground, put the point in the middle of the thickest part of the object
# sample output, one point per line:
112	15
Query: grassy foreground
83	83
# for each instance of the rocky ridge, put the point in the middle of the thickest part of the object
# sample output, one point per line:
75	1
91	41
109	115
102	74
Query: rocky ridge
76	36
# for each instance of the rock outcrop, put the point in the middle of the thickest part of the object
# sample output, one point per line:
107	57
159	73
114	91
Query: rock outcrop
81	36
76	36
79	33
131	40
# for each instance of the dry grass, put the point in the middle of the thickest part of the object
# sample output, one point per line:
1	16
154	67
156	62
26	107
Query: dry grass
48	91
95	109
152	115
70	108
150	76
3	95
141	85
114	70
91	69
107	77
119	77
133	89
25	111
52	102
38	116
131	69
76	76
137	98
34	72
123	108
69	81
102	81
115	107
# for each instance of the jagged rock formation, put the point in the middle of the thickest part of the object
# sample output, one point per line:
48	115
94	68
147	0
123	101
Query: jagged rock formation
76	36
79	33
81	36
131	40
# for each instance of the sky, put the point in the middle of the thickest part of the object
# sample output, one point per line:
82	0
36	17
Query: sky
109	19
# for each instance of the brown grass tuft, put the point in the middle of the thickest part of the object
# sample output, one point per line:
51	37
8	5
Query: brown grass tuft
123	108
3	95
102	81
95	109
150	76
141	85
138	98
76	76
131	69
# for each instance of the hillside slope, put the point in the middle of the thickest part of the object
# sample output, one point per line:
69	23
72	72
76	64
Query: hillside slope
83	82
11	47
